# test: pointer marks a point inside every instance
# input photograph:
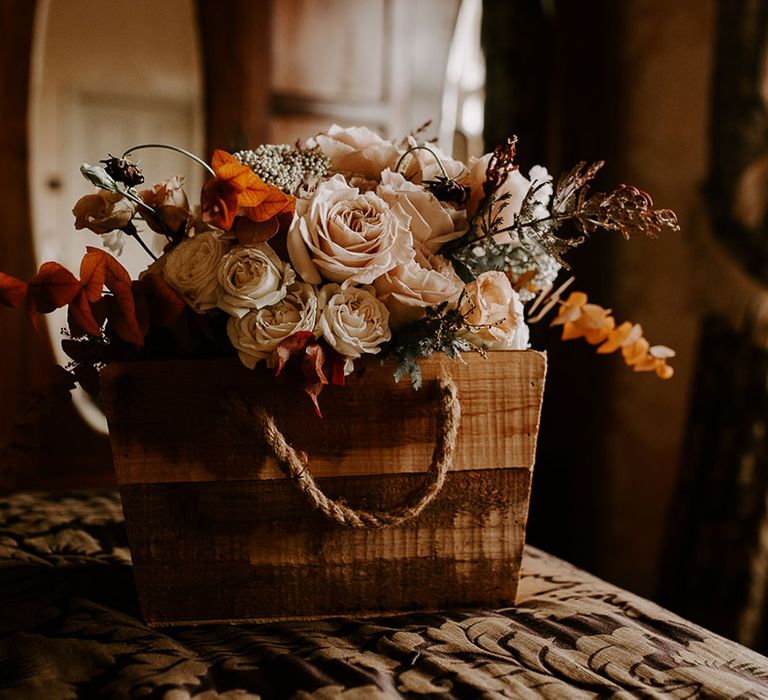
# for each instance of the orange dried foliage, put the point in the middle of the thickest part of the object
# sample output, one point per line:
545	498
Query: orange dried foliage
597	326
238	191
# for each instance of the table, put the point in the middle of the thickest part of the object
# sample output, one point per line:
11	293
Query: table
70	627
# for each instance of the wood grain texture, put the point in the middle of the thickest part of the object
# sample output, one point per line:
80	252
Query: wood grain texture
251	551
218	533
169	421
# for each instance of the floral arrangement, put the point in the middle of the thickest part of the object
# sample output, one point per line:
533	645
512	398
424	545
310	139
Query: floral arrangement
310	256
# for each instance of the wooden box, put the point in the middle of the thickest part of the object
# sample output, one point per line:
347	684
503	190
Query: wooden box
219	533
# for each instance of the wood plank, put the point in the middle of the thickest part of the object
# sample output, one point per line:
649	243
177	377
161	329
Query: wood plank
252	550
169	421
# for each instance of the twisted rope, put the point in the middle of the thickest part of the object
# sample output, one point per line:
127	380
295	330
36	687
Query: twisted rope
449	416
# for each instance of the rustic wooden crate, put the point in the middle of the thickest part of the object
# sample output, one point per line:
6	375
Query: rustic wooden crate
218	533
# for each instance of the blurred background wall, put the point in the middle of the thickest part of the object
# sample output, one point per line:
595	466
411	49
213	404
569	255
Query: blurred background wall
626	82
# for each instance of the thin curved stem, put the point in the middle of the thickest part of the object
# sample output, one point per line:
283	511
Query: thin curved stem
422	148
177	149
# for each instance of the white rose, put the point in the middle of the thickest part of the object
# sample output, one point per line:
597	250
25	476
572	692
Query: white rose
357	150
191	268
353	321
421	164
494	312
407	290
256	335
345	235
431	221
252	278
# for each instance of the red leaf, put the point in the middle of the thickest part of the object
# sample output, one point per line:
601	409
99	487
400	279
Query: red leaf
81	318
313	391
165	306
292	345
52	287
92	274
115	274
122	318
312	369
121	307
312	364
337	361
12	291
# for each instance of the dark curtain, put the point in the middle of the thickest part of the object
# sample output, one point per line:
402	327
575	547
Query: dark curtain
553	79
716	564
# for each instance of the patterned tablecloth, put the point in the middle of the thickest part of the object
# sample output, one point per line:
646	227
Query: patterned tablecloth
69	627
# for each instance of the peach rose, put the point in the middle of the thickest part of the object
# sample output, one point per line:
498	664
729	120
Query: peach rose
343	235
407	290
494	314
357	151
169	202
103	212
431	221
421	164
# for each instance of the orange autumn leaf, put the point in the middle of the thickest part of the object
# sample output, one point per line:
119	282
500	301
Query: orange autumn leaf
218	202
275	202
121	306
51	288
80	316
13	291
597	326
93	268
238	191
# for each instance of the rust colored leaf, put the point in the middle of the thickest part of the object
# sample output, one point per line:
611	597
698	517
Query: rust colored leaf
314	377
291	346
122	319
52	287
13	291
275	202
80	316
164	305
218	202
92	273
115	275
251	233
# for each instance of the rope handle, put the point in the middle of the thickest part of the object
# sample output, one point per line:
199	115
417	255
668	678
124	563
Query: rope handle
297	470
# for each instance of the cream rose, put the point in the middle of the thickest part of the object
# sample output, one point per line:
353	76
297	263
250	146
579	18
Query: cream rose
252	278
346	236
357	151
169	202
103	212
353	320
191	268
256	335
407	290
494	313
431	221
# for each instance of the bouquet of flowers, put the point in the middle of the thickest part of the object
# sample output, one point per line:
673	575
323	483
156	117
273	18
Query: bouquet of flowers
307	257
